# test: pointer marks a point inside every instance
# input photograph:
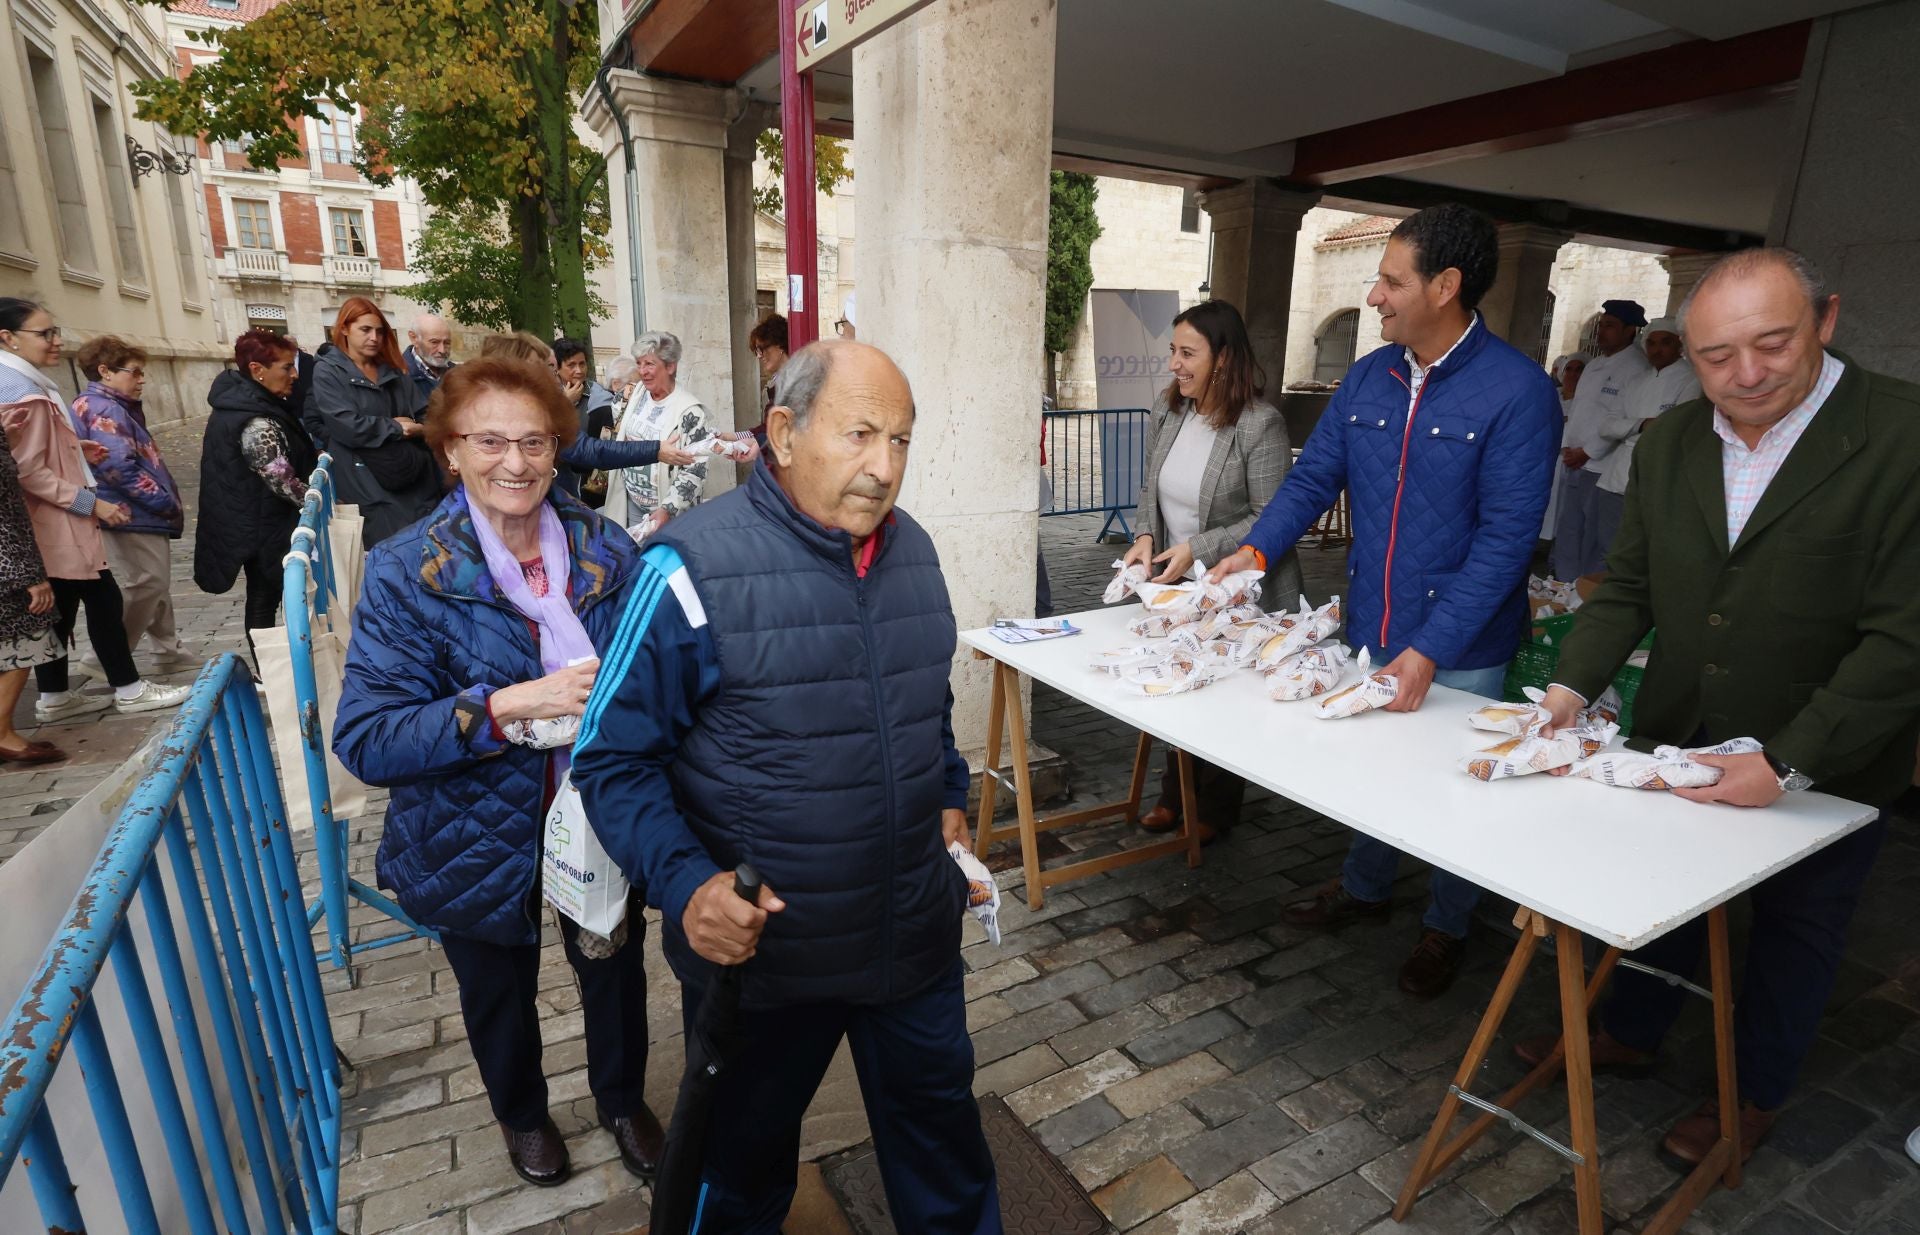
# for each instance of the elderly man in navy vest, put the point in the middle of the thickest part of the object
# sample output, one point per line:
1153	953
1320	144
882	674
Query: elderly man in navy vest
777	694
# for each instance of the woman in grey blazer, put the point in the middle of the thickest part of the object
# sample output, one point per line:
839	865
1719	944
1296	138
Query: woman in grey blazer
1216	453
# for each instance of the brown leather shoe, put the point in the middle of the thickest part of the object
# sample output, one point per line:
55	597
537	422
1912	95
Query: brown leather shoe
1331	907
1607	1052
1433	964
1160	819
640	1141
540	1156
1694	1137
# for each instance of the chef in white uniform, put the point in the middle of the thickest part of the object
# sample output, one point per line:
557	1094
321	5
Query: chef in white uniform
1577	545
1668	382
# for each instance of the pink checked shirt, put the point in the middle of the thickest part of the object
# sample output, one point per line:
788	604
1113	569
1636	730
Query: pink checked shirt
1747	473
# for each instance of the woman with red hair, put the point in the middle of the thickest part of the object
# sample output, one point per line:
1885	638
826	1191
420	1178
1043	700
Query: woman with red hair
369	415
254	464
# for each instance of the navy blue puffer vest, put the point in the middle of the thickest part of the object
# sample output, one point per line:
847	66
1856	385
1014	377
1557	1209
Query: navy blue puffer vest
820	759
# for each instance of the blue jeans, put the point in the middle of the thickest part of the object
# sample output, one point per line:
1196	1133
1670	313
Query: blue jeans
1372	864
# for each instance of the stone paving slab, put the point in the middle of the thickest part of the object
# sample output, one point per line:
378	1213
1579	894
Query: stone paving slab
1197	1065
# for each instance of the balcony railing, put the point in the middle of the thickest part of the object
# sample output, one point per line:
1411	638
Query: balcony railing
351	270
257	265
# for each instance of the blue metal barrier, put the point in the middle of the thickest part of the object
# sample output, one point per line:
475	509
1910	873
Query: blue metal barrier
258	976
1097	461
311	556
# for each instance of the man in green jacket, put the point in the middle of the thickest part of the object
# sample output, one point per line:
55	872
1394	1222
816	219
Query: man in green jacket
1772	535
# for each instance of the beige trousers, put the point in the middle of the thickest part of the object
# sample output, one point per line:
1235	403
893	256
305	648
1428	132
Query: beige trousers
142	564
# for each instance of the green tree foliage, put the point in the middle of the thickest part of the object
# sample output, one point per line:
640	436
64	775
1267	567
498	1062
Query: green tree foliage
473	99
1072	227
830	169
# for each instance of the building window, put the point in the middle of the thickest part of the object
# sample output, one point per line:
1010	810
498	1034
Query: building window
763	303
1590	336
63	163
336	135
186	252
1189	211
349	233
13	232
253	223
118	178
1333	350
1544	347
271	317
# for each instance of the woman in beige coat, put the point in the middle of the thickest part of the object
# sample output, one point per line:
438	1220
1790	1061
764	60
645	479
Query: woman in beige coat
1216	454
67	514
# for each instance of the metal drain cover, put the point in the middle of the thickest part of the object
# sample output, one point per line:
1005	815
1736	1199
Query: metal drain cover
1038	1196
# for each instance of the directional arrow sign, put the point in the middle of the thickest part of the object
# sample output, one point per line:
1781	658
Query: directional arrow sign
826	28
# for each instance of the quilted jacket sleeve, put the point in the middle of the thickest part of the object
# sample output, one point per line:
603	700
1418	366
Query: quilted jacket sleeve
654	677
589	452
1515	478
396	724
1311	487
125	474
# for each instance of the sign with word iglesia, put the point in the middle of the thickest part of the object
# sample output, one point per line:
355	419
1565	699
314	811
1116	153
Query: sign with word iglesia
826	28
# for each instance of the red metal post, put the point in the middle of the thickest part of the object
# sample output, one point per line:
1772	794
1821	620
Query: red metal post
797	188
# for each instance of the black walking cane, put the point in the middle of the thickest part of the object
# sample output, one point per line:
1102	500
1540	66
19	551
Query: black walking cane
676	1189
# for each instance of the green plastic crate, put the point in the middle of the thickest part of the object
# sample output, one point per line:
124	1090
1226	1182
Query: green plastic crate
1533	665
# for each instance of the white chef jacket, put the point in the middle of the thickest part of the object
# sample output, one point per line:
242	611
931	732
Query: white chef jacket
1602	394
1652	393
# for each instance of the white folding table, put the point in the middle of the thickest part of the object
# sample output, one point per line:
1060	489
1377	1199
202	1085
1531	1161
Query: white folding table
1578	857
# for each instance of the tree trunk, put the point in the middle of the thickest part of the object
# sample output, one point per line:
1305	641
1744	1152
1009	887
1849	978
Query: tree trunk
532	309
565	198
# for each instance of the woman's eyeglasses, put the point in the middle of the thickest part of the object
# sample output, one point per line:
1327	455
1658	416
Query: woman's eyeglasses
535	447
51	334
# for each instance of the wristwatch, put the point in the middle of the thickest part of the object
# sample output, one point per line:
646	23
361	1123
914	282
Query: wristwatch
1790	780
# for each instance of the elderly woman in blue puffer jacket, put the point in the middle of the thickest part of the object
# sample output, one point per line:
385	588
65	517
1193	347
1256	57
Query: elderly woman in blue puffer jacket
473	623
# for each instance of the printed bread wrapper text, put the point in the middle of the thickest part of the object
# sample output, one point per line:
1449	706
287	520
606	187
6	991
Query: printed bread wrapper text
1157	625
1216	624
1129	655
544	733
1180	672
1240	588
733	448
1178	601
1312	672
983	894
1532	752
1373	690
1668	767
1308	627
1228	652
1519	719
1126	581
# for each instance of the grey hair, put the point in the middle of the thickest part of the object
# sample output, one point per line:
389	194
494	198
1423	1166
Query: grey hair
1751	261
619	369
658	343
800	381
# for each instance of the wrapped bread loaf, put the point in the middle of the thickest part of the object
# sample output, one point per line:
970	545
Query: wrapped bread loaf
1373	690
1126	581
1302	631
1535	752
1312	672
1668	767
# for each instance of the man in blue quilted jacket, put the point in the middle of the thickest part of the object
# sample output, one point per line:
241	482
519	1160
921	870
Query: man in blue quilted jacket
776	693
1445	440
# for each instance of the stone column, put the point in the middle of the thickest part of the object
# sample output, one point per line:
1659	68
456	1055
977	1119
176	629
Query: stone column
956	117
1515	307
1846	198
1683	271
741	137
679	145
1256	226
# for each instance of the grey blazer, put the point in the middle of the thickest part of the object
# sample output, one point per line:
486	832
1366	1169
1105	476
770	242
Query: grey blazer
1247	465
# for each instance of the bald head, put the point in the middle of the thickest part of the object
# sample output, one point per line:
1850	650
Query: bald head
432	340
1757	326
839	432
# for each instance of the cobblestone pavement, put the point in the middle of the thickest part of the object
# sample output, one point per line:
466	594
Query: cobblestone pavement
1197	1065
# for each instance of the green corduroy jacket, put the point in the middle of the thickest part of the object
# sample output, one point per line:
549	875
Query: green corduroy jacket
1806	633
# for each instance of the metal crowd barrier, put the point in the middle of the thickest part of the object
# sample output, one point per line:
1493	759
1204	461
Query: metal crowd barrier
259	983
1096	461
311	556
